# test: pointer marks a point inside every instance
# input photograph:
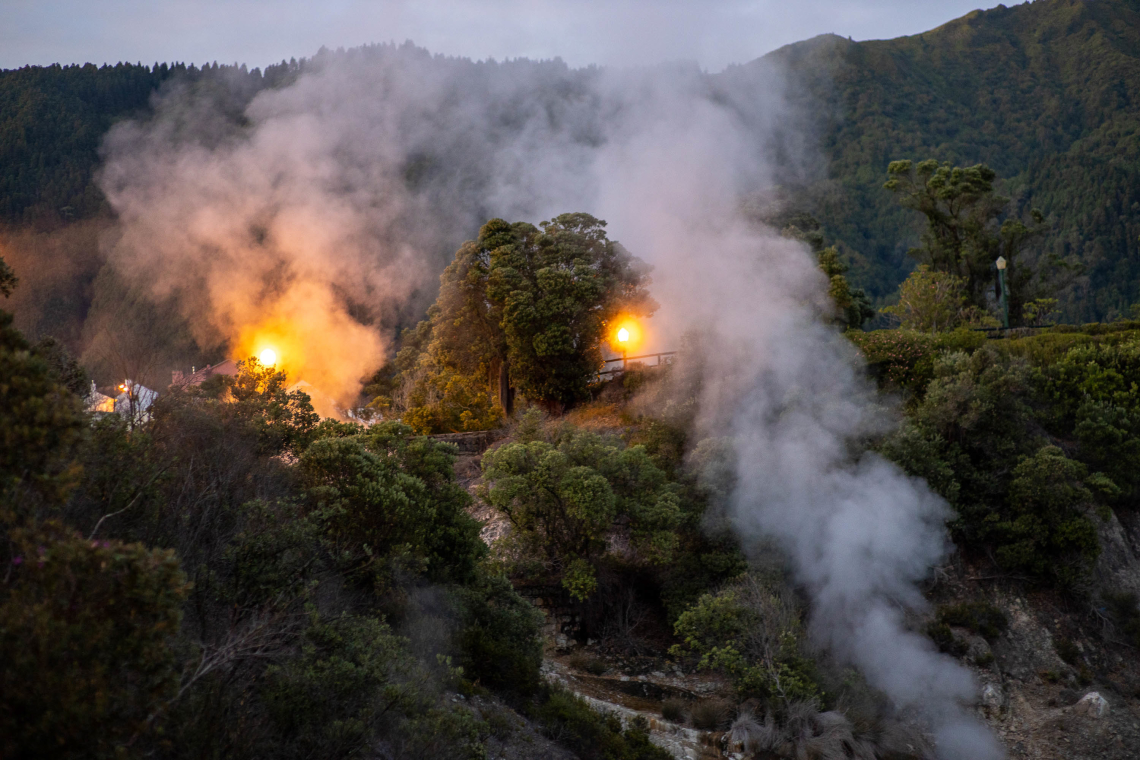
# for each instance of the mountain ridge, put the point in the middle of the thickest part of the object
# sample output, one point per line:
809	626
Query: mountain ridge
1046	93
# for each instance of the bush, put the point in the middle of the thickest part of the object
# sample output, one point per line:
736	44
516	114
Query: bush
386	497
981	618
674	710
591	735
901	359
499	644
1047	532
564	497
355	685
753	633
85	633
710	714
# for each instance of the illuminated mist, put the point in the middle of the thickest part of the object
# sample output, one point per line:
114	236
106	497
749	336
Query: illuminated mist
331	211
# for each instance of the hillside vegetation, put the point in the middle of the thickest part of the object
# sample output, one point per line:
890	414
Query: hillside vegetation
1047	94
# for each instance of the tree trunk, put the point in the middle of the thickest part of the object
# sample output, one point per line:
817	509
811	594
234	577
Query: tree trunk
506	393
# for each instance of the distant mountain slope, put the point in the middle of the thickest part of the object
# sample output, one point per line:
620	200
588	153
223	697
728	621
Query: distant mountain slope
53	118
1047	93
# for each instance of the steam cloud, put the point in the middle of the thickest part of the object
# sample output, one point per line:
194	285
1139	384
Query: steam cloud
349	189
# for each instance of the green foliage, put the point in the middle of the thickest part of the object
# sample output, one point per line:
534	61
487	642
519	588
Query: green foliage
852	303
64	368
388	500
1047	531
354	684
1035	91
284	419
41	423
499	643
85	632
978	617
933	301
530	301
753	634
564	497
968	437
963	237
898	358
53	119
571	722
1095	392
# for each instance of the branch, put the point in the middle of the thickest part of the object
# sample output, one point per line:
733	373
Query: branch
138	493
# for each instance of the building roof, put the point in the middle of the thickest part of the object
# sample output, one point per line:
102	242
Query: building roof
197	377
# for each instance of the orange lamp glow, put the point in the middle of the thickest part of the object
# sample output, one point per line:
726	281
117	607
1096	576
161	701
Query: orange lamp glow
626	335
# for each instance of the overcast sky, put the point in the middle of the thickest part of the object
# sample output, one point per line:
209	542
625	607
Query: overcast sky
257	32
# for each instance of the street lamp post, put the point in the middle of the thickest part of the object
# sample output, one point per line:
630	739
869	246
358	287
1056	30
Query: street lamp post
623	339
1003	291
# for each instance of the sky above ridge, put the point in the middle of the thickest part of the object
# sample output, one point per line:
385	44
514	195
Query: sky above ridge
714	33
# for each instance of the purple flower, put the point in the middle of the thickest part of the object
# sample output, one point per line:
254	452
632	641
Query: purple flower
17	560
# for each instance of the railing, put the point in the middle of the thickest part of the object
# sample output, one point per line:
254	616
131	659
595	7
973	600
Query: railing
1002	332
625	359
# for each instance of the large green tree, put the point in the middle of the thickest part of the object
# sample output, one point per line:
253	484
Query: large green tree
525	308
968	227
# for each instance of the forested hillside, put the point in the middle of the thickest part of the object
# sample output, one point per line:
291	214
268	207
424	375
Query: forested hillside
52	119
1047	94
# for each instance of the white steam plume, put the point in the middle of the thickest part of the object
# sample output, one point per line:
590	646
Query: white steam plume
351	186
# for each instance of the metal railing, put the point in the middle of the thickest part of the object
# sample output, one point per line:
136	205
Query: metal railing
625	359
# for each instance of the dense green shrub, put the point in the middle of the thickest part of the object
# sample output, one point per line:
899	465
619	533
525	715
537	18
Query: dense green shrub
354	685
85	640
568	720
564	497
979	617
499	646
752	632
1047	531
900	359
40	426
388	497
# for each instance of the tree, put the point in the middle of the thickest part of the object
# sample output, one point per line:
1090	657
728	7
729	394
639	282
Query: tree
387	499
8	279
41	424
930	301
1047	531
84	625
751	630
85	630
526	308
852	304
963	236
565	497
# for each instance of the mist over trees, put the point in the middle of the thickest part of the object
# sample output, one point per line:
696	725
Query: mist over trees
844	531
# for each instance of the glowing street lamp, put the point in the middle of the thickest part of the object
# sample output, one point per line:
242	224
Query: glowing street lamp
623	341
1003	291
